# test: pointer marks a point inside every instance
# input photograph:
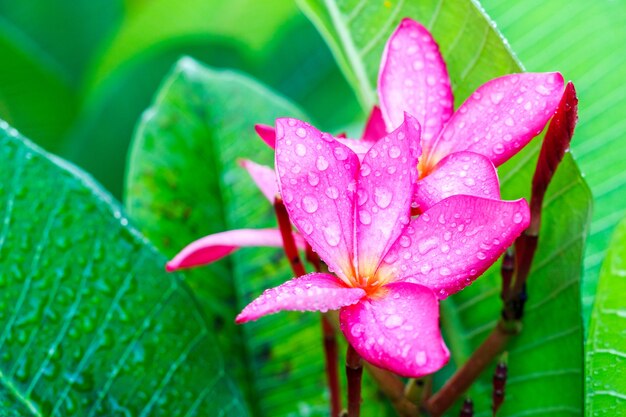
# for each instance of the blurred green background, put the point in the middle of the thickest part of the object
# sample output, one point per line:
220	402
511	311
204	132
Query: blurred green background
76	75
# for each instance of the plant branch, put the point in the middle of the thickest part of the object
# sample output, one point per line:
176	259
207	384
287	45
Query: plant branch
354	372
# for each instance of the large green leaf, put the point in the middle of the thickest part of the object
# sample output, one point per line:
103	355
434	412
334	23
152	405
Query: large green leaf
605	386
584	40
547	356
184	182
91	324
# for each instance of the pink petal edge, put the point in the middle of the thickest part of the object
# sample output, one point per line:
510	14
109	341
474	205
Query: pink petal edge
460	173
374	127
398	331
264	177
317	181
267	134
312	292
384	193
216	246
454	242
500	117
413	78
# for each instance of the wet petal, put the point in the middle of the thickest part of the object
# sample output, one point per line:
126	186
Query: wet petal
374	127
317	181
359	147
267	134
413	78
465	173
312	292
264	177
455	241
384	193
398	331
213	247
501	117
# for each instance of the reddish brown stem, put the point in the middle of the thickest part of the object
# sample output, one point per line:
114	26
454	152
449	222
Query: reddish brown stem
332	374
499	382
354	372
289	243
467	374
467	410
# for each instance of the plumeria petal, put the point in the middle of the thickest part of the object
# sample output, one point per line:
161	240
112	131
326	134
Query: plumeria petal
267	134
413	78
465	173
398	331
312	292
264	177
502	116
213	247
384	193
359	147
374	127
317	180
455	241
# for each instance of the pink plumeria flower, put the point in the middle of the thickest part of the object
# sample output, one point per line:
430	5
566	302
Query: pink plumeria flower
390	270
459	148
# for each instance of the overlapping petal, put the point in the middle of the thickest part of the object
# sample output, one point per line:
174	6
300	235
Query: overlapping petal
317	181
374	127
264	177
464	173
213	247
413	78
267	134
312	292
398	331
500	117
453	242
384	193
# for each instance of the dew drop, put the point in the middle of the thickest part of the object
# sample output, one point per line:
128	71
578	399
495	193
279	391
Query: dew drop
430	80
382	197
469	182
309	204
509	122
357	330
361	197
301	132
498	149
543	90
497	97
481	255
365	217
394	152
426	245
332	192
444	271
426	268
365	170
300	149
420	358
393	321
517	218
314	179
418	65
332	235
405	241
321	163
340	153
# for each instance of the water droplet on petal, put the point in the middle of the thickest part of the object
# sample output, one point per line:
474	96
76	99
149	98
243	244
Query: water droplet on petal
332	235
300	149
418	65
420	358
365	170
357	330
496	97
481	255
430	80
309	204
365	217
405	241
444	271
541	89
361	197
332	192
394	152
393	321
314	179
340	153
321	163
426	268
301	132
498	149
509	122
305	226
517	218
382	197
426	245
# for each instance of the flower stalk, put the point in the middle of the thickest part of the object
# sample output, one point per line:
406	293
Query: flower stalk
354	372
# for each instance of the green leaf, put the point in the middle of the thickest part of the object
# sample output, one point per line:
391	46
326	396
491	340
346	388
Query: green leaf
545	37
184	182
547	356
91	324
605	390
